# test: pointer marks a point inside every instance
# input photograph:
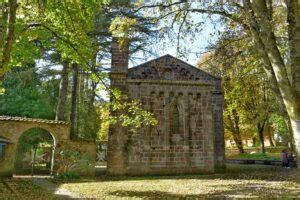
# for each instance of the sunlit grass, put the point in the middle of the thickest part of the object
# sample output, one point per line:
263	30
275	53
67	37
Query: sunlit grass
237	183
255	156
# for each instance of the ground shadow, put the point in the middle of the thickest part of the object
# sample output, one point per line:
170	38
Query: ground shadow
233	172
232	192
236	173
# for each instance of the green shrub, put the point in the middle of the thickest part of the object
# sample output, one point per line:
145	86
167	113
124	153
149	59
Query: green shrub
67	175
73	161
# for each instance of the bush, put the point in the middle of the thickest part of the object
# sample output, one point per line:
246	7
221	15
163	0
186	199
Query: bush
67	175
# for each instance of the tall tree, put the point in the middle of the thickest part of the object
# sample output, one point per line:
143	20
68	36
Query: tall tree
74	100
29	92
248	98
256	18
7	30
63	91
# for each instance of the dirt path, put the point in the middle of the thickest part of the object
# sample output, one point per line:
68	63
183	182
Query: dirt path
59	192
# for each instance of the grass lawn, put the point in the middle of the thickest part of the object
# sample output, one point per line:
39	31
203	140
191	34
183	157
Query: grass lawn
239	182
21	189
255	156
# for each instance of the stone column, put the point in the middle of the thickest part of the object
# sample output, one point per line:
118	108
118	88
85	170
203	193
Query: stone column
116	154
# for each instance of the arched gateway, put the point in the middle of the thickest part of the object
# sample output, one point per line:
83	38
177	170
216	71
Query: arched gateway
11	128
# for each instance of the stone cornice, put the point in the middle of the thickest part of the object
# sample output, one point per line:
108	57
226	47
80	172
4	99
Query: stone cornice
168	82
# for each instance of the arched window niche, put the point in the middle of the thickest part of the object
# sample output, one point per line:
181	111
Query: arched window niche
176	123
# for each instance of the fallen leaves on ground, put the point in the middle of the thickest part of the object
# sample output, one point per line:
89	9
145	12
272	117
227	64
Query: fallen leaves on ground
12	188
239	182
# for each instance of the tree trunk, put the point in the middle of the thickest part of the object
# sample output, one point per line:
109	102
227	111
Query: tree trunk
9	36
80	102
234	128
270	135
33	160
74	100
239	143
254	142
267	64
290	138
294	41
290	91
3	22
63	91
260	130
93	92
93	82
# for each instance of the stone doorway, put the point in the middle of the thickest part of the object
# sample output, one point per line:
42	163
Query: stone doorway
35	153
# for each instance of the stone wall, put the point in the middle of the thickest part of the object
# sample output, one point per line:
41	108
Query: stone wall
169	69
158	150
12	128
87	153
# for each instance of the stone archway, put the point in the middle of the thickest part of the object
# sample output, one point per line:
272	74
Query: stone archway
35	153
12	128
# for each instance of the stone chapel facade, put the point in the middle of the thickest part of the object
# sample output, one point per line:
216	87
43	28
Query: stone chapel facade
186	101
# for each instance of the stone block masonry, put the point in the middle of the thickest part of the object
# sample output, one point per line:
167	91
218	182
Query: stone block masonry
183	141
12	128
186	101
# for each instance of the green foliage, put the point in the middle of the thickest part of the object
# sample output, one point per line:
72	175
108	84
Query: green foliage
32	140
88	117
28	94
257	156
122	27
67	175
73	161
66	25
131	113
102	134
246	90
78	32
279	124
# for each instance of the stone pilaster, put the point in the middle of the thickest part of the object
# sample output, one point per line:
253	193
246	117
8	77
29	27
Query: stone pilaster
217	103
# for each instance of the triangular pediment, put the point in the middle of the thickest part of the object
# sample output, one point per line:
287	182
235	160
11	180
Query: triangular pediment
168	67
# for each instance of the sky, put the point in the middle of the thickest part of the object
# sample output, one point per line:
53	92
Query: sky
195	48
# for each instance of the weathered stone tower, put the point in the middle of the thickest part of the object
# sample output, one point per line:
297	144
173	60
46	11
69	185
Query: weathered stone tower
116	155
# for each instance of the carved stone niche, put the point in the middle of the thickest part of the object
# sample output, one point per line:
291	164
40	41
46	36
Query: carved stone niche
168	75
